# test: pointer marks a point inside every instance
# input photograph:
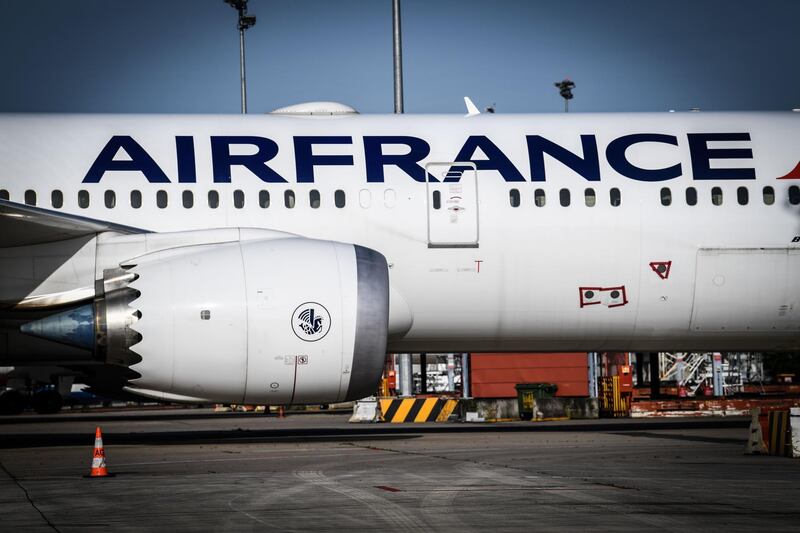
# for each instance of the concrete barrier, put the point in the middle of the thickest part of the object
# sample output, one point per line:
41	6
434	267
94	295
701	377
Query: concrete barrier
483	410
755	441
366	411
572	408
396	410
779	436
493	410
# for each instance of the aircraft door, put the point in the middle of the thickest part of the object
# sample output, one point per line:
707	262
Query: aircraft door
452	205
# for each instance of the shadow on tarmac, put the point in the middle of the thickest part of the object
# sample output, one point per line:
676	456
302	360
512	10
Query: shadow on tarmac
149	415
361	432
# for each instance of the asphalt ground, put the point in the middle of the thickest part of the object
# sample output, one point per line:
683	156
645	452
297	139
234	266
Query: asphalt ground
195	470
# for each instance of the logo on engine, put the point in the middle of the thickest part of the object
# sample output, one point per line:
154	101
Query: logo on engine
311	321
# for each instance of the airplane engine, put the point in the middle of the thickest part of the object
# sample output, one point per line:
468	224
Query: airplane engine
282	321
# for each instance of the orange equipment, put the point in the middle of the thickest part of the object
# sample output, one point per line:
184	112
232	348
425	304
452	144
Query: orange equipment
625	379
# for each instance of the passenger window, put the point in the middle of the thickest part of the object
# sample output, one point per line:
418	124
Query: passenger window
57	199
691	196
769	195
213	199
314	199
238	199
666	196
716	196
3	194
339	198
742	196
263	199
365	198
83	199
161	199
589	197
513	197
794	195
539	198
563	197
437	200
136	199
615	197
30	197
389	198
188	199
110	199
288	199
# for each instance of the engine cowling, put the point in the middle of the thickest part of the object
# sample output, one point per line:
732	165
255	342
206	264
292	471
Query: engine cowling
290	320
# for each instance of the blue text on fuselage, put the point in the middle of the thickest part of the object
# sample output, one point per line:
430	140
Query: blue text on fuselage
226	154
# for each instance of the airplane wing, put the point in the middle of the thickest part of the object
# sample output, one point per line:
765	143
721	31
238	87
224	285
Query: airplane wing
22	225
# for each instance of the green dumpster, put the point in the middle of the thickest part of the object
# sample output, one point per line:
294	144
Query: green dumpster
528	392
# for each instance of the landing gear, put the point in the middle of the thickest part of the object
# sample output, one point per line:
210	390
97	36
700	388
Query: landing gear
11	402
47	402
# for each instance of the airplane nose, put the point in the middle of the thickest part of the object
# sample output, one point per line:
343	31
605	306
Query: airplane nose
74	327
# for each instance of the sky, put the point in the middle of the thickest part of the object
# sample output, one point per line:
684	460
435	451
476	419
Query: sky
182	56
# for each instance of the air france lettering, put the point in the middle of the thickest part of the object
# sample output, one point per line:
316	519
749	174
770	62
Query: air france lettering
586	163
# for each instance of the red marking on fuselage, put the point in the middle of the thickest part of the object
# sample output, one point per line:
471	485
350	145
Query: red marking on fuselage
478	264
667	266
793	175
597	298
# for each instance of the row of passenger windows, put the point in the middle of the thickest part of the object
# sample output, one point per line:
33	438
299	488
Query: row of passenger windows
564	197
615	199
742	195
213	197
339	199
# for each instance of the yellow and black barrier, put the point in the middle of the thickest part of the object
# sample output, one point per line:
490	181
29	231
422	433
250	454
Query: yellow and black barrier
613	402
780	442
397	410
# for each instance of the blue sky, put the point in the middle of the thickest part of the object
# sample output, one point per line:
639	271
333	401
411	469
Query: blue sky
181	56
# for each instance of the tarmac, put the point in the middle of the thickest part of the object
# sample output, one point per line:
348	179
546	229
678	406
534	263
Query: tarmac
196	470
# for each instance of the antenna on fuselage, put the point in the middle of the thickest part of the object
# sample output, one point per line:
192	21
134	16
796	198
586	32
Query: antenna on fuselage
472	109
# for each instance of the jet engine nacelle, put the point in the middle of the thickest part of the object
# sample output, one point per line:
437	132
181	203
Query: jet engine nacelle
262	322
289	320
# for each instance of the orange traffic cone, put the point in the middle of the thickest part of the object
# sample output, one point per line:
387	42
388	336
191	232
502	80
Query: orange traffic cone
99	457
281	412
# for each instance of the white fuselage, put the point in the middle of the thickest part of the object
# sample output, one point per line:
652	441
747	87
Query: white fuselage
479	272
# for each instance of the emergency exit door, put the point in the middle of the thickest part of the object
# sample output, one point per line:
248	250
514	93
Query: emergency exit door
452	194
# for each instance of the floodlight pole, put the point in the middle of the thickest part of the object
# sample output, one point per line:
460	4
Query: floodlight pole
565	89
241	70
245	22
398	58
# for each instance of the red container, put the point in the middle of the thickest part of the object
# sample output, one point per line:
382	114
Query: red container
493	375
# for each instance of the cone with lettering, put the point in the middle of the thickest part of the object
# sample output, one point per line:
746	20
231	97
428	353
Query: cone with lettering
98	457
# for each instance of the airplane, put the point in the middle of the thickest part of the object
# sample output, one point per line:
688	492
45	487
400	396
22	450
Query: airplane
276	258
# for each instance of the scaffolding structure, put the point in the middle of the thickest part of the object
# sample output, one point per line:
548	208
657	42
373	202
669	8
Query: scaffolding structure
692	371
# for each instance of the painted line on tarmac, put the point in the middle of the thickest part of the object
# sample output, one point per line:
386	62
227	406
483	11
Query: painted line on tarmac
396	517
